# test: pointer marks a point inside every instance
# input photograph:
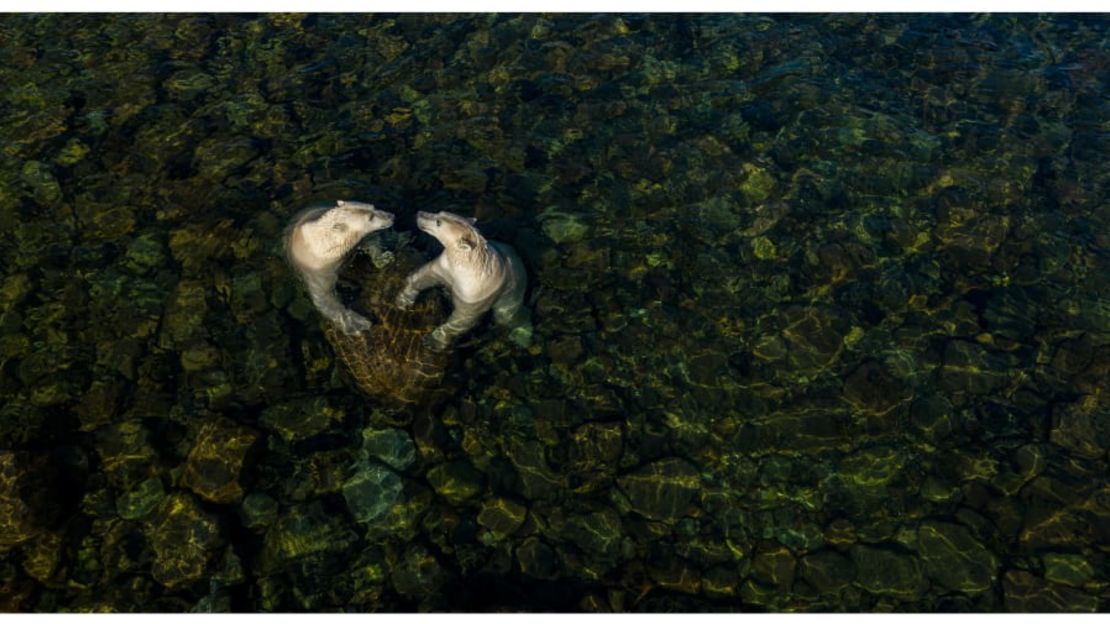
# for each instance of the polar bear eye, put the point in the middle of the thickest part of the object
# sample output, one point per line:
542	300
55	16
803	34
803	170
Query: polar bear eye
438	222
339	227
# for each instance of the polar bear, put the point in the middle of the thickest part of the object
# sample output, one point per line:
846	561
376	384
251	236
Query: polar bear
316	242
479	274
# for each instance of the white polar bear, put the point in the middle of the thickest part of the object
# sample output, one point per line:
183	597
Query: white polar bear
316	242
479	274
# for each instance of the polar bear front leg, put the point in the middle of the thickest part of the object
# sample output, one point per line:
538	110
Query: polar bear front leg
347	320
423	278
510	313
462	318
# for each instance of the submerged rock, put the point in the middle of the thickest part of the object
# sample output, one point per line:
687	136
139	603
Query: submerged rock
184	538
25	502
662	490
371	491
501	516
214	465
955	559
391	446
887	572
538	560
1023	592
456	481
142	500
827	571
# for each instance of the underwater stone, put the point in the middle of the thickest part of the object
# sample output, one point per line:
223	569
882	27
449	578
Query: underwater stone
419	574
955	559
216	461
871	388
775	567
562	227
456	481
827	571
145	254
392	446
932	416
41	181
184	539
537	559
763	248
23	498
565	351
969	368
258	510
300	419
1067	569
599	533
872	467
501	516
662	490
815	336
537	479
759	184
1075	427
720	582
882	571
1024	592
372	491
302	531
597	445
142	500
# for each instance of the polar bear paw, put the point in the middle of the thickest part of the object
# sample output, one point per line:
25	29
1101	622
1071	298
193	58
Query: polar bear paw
436	341
352	323
521	336
405	299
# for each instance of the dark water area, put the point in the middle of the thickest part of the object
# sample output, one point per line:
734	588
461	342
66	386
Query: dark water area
821	314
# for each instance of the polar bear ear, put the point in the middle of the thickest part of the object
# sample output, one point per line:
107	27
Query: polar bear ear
472	220
340	203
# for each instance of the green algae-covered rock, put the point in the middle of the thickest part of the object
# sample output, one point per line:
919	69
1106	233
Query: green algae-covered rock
501	516
871	468
871	388
24	498
304	530
598	533
971	369
662	490
1066	569
258	510
300	419
827	571
887	572
775	567
419	574
537	559
1023	592
371	491
537	480
146	253
141	500
953	558
394	447
456	481
184	539
214	465
815	336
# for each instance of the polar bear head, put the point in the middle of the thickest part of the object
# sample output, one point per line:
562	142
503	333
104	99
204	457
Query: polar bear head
457	234
321	237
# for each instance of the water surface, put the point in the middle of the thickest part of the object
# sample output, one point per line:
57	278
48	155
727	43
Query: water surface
821	311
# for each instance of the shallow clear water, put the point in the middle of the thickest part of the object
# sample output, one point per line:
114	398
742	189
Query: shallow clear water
820	302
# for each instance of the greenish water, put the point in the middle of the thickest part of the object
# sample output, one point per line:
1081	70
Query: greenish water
821	314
